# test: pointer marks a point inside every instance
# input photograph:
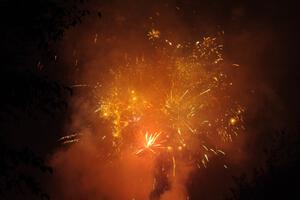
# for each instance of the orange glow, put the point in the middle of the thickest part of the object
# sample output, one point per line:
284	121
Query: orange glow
176	104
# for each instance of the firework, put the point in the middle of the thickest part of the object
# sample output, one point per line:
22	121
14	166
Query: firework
153	34
184	93
151	143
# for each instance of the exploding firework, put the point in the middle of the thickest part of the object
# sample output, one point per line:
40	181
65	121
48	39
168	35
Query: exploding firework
184	93
151	143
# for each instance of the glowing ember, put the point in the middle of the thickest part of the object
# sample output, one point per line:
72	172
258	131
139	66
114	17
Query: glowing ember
153	34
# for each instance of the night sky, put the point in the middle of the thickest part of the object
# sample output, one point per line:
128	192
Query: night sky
54	52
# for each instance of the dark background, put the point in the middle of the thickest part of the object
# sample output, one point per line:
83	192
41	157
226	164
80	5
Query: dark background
35	92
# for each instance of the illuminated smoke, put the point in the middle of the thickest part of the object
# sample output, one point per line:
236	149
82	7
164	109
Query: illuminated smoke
169	108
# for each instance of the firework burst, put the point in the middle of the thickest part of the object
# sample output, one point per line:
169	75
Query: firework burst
151	143
185	93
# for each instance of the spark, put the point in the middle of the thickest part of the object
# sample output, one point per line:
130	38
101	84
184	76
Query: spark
96	38
150	143
69	139
204	92
153	34
222	152
206	157
233	121
174	166
79	85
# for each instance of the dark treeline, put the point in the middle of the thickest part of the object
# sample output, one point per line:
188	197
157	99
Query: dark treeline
279	178
32	105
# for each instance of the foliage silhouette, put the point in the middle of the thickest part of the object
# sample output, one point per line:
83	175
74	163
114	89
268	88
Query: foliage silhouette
28	28
278	179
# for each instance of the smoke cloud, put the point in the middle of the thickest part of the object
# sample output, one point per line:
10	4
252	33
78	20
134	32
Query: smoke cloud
81	171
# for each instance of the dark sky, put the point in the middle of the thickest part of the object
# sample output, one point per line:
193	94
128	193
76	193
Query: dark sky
262	37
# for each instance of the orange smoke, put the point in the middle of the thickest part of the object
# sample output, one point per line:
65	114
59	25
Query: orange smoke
83	173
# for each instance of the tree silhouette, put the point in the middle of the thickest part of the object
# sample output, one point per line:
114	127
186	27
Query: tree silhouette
27	30
278	180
